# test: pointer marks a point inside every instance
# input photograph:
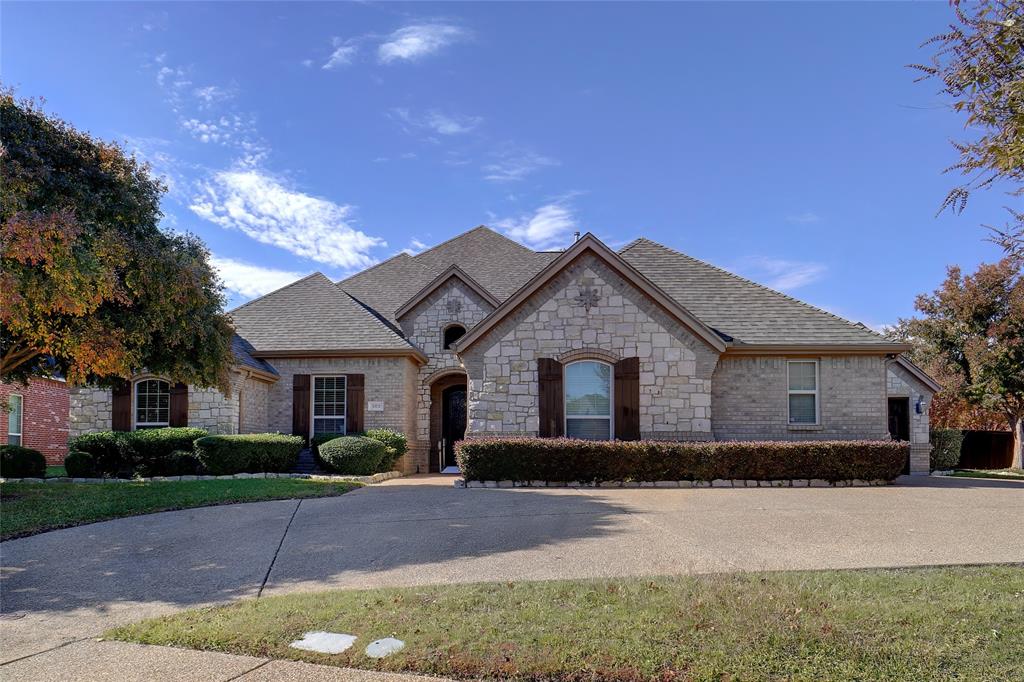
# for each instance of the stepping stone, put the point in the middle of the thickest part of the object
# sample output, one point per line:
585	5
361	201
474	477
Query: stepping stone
384	647
324	642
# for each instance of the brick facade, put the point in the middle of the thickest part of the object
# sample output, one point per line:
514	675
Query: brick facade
45	409
900	383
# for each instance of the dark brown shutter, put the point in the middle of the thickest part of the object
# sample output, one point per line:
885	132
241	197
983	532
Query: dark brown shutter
179	405
627	399
121	412
300	405
550	400
354	403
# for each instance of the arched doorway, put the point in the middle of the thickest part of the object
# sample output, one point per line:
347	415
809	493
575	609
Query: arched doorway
447	420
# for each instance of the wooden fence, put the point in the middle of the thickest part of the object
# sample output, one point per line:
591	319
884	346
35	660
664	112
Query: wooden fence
986	450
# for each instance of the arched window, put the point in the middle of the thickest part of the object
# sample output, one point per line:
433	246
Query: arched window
452	334
588	400
152	404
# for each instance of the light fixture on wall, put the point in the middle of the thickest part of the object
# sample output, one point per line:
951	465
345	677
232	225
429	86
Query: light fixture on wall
919	405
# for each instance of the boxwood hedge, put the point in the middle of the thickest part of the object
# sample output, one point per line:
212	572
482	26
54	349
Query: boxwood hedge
147	452
248	453
20	462
565	460
357	455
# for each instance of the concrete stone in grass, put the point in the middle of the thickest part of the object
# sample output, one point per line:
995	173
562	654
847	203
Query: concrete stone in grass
384	647
324	642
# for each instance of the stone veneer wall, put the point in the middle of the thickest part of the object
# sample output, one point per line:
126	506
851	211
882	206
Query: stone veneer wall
391	380
899	383
750	399
452	303
675	366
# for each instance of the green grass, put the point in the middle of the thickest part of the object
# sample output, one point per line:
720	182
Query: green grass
30	508
56	471
920	624
1012	474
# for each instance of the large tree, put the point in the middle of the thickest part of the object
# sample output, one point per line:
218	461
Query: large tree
980	61
90	286
972	334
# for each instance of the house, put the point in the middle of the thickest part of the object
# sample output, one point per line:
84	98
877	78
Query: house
482	336
35	415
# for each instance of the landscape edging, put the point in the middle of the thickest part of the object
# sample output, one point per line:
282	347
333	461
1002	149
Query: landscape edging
368	480
717	483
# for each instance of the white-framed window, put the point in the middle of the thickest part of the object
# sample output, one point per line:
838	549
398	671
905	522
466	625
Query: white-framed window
328	413
588	400
804	407
15	418
152	404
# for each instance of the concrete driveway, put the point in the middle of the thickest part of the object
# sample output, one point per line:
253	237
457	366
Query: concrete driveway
67	585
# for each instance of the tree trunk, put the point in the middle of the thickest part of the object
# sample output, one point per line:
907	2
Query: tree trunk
1017	427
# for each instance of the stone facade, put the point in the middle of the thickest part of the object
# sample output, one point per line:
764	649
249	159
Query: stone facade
750	399
452	303
91	410
589	306
900	383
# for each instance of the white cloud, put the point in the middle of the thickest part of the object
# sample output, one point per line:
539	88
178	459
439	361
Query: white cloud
434	121
266	210
250	280
413	42
516	165
550	226
222	130
415	246
342	56
210	95
805	218
780	274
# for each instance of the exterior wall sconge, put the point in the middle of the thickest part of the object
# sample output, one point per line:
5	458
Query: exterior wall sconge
919	405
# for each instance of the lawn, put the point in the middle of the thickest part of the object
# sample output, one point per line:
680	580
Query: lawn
1013	474
56	471
30	508
922	624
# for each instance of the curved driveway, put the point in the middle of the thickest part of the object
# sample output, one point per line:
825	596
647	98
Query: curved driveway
72	584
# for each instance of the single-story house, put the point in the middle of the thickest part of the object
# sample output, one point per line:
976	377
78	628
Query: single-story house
483	336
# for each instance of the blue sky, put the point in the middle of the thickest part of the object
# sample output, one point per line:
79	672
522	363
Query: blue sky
786	142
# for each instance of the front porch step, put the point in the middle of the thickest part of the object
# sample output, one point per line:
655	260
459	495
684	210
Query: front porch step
306	464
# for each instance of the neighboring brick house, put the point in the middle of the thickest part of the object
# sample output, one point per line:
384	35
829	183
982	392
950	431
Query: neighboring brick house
36	416
480	335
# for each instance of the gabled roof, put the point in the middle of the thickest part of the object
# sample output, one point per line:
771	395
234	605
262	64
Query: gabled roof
496	263
751	314
918	373
243	352
311	316
590	243
452	272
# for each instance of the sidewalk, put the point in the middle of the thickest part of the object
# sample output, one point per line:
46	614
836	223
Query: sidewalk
93	660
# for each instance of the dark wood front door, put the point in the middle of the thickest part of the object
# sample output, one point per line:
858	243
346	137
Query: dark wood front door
453	421
899	423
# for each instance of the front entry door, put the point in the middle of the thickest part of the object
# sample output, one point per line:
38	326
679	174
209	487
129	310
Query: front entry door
453	422
899	423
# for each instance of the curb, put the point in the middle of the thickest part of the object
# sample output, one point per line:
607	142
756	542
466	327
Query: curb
369	480
717	483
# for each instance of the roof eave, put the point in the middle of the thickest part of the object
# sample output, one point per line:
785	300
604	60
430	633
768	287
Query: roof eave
817	348
438	282
918	373
414	353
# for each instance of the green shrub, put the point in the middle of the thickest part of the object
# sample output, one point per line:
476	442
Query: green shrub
564	459
395	442
251	453
356	455
80	464
19	462
143	452
946	448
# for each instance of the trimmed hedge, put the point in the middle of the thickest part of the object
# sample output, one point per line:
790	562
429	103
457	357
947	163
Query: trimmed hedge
566	459
395	442
946	445
356	455
146	452
80	464
20	462
249	453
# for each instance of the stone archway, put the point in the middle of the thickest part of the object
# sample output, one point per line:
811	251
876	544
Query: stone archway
443	392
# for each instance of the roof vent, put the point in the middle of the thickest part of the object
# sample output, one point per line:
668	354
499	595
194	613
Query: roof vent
575	236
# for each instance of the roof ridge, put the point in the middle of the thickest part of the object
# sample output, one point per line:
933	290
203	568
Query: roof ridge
376	317
286	286
633	243
373	267
758	285
470	231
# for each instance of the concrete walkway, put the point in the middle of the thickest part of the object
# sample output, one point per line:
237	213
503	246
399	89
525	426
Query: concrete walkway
73	584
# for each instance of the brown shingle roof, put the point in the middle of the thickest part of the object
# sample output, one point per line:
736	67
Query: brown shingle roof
312	315
736	307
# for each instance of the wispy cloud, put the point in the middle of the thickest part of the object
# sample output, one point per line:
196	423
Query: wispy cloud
344	53
415	246
265	209
781	274
805	218
550	226
210	95
515	165
168	168
434	122
416	41
223	130
250	280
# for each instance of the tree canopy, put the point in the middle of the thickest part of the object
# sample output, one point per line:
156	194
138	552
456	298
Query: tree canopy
90	287
980	61
971	336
